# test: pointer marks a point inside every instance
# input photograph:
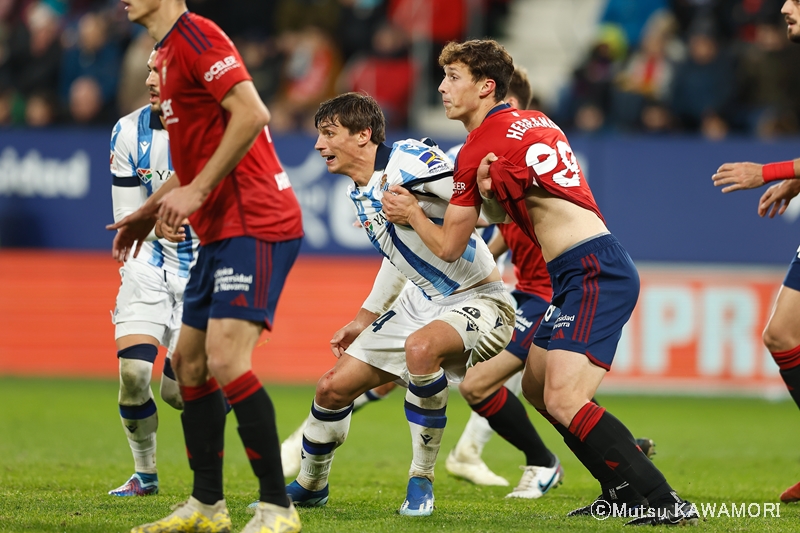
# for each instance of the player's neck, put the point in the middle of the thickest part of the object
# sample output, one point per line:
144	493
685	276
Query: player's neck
364	166
476	118
165	18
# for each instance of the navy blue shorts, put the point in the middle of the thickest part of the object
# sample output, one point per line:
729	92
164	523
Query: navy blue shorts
241	277
595	288
792	279
530	310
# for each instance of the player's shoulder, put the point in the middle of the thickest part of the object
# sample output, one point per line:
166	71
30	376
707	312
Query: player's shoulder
413	160
129	125
201	33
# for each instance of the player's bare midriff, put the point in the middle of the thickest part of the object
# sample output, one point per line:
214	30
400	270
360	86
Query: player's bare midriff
560	224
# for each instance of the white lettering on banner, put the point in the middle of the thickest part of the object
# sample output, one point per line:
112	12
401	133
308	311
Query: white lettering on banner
692	331
668	319
727	326
34	175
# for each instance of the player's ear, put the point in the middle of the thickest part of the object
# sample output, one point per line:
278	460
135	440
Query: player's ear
487	87
364	136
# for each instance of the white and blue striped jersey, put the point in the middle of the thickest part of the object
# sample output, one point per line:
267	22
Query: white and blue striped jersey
427	172
140	159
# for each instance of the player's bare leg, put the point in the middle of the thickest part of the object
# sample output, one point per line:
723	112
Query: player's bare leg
484	391
782	339
328	423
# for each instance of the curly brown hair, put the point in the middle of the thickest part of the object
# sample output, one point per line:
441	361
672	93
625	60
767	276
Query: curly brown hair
354	111
485	58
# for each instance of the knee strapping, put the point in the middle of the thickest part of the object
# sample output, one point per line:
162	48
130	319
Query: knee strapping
134	381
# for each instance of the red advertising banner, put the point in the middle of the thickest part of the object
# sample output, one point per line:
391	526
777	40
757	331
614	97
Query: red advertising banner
695	329
698	330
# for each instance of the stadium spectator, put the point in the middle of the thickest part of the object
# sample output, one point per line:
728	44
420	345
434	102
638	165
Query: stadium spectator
454	314
86	105
586	263
241	205
131	94
150	300
702	89
586	103
41	109
768	103
631	16
644	81
264	62
782	334
34	51
92	54
388	60
358	22
296	15
311	66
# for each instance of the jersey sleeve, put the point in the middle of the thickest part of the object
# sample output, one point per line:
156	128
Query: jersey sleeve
219	67
465	187
123	154
413	164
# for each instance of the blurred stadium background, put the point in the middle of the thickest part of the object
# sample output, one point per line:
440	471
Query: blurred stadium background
654	95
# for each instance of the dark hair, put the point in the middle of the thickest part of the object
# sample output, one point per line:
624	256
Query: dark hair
520	88
354	111
485	58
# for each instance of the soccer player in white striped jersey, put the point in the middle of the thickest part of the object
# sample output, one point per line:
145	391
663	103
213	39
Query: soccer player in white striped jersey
455	314
150	300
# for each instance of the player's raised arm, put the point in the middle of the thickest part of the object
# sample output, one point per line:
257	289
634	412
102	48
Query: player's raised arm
248	117
739	176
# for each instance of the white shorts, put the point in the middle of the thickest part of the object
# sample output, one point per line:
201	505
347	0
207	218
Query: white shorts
483	317
149	302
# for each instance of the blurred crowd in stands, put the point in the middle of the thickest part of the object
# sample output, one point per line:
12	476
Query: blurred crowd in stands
714	67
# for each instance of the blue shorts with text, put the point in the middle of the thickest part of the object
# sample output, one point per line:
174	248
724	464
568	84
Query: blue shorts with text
240	277
792	279
530	310
595	288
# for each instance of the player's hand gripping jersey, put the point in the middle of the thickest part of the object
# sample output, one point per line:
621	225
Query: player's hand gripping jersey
533	151
425	171
140	164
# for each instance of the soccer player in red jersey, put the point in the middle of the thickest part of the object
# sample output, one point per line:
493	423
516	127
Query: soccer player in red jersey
239	200
782	334
538	183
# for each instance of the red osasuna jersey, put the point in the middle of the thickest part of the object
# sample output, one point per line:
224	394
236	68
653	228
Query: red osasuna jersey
198	65
530	268
530	143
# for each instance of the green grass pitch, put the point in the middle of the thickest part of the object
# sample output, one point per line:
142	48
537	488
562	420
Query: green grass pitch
62	448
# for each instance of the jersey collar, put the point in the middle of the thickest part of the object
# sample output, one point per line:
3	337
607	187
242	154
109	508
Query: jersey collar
160	43
496	109
155	121
382	156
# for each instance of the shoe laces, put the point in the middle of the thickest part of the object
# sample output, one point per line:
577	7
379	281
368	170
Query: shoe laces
528	475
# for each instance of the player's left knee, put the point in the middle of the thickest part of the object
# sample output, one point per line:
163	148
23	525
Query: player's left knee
562	404
419	357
